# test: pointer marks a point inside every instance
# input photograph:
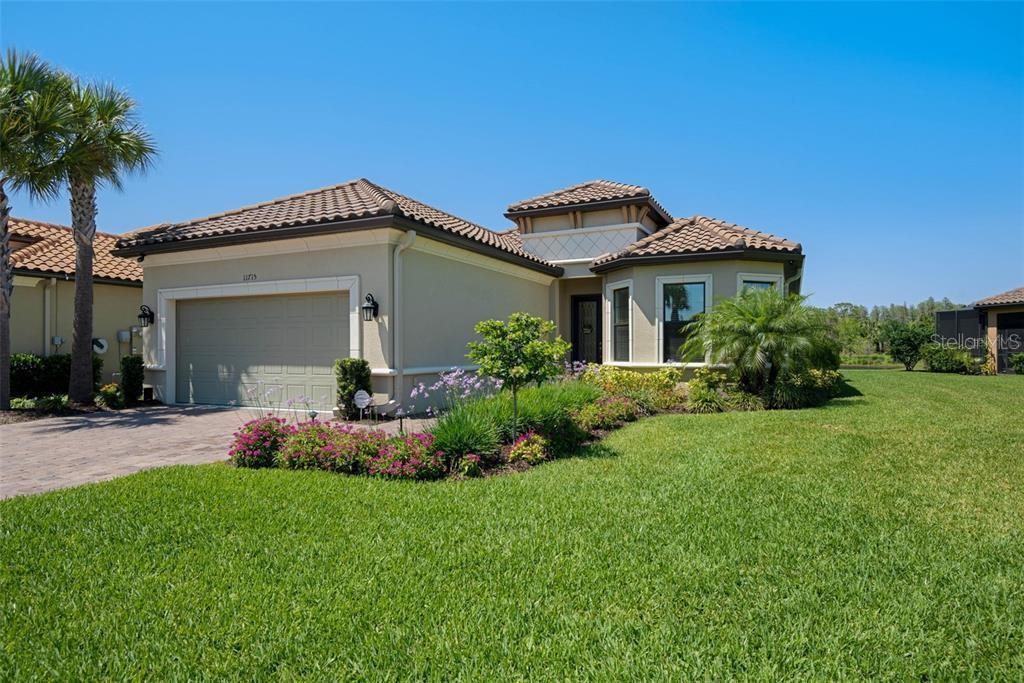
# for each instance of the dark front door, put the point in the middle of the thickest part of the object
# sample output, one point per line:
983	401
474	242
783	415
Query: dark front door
586	328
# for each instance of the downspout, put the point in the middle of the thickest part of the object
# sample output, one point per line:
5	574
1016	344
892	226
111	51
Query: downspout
799	275
397	343
48	292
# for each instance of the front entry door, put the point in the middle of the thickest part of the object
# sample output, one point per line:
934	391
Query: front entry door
586	328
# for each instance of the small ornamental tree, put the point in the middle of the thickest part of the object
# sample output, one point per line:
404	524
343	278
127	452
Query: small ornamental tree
517	352
906	342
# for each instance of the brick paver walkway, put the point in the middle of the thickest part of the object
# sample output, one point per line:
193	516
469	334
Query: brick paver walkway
58	452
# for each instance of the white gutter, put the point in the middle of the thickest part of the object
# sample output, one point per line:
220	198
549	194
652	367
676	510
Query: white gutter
397	345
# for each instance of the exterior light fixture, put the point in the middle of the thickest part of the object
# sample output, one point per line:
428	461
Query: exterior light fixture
370	308
146	316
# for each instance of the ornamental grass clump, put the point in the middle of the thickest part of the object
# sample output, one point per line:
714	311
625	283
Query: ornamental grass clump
411	456
257	442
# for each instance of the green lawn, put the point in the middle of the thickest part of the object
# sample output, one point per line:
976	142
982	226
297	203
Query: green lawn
879	536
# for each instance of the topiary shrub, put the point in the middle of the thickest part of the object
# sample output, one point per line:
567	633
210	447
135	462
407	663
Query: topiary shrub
352	375
257	442
133	375
531	448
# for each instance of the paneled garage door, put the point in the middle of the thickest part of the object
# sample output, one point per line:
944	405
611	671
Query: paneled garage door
266	348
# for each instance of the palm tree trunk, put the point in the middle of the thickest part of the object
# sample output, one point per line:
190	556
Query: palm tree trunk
83	223
6	290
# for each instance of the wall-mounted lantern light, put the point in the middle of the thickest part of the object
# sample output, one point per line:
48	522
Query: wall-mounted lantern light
146	316
370	308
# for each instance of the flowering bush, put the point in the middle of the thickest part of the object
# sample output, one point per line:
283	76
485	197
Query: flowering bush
110	397
411	456
331	447
258	442
531	448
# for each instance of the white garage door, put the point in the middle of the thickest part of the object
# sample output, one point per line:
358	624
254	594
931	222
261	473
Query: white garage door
266	349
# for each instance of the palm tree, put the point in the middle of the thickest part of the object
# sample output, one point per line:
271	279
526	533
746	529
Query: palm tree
103	142
33	113
763	335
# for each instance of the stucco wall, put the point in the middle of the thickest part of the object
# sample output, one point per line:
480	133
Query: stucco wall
115	307
365	254
590	219
444	297
723	286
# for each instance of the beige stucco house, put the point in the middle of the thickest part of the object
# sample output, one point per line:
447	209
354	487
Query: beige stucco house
43	301
257	302
1003	323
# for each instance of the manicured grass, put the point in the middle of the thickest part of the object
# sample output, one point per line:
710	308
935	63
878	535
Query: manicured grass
879	536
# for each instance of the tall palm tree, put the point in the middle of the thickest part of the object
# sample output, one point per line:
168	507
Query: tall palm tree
33	114
103	143
763	335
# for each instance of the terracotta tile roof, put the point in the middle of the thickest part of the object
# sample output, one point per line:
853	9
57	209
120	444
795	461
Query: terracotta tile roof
1014	296
587	193
52	250
700	234
351	200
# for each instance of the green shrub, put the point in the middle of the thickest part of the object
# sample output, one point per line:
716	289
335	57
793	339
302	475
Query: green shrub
33	375
866	359
606	413
53	403
469	465
805	389
743	401
652	391
712	378
109	397
531	448
23	404
704	399
133	375
309	446
939	358
352	375
1017	363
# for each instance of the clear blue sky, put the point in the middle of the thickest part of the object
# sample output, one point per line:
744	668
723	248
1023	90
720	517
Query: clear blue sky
887	138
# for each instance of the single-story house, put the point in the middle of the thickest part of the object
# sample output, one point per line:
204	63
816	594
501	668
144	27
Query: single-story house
1003	322
257	302
43	301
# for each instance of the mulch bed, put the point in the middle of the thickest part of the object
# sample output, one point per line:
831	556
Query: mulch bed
12	416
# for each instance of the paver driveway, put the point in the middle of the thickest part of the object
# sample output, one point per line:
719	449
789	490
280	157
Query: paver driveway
65	451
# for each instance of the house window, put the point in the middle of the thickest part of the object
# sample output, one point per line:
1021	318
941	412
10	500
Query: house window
620	324
757	284
681	303
758	281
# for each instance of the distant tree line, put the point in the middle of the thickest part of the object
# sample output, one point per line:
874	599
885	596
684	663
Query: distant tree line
861	330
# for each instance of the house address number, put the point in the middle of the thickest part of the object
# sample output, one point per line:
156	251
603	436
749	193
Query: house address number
248	277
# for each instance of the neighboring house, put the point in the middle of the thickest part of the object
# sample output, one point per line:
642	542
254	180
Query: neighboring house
43	303
256	303
1003	322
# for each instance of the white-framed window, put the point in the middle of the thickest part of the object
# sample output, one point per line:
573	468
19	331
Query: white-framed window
678	299
618	298
759	281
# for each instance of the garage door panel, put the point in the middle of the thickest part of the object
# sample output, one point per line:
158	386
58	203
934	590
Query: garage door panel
264	349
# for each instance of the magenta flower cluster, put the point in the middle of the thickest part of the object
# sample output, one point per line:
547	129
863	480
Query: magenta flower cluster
329	446
411	456
258	441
